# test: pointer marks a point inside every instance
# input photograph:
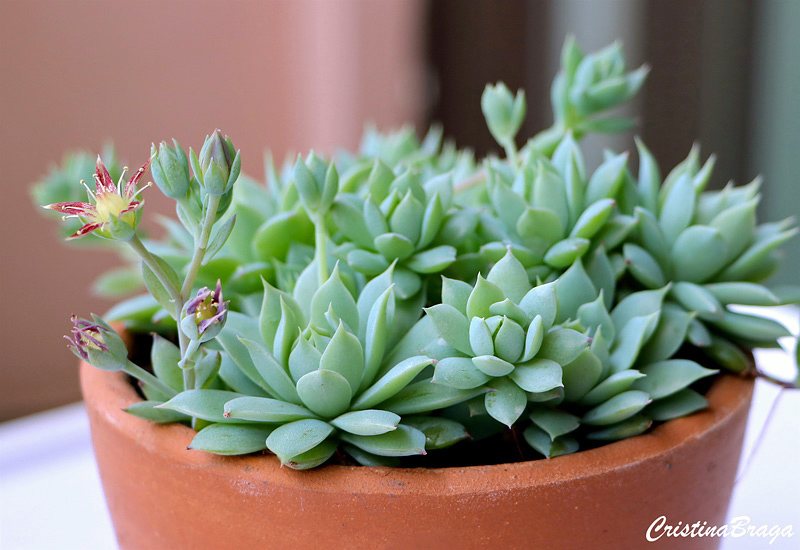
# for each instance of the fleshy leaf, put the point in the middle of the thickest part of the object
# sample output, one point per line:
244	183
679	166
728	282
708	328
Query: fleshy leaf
231	439
404	441
367	422
667	377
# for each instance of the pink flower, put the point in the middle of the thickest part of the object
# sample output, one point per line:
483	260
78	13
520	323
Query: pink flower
107	201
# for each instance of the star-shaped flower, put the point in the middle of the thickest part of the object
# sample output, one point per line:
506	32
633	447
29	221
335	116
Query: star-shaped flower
108	201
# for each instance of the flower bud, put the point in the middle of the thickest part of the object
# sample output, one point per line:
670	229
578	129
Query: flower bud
317	184
204	315
218	165
170	169
504	112
98	344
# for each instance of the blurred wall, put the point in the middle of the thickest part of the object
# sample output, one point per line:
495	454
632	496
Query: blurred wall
280	74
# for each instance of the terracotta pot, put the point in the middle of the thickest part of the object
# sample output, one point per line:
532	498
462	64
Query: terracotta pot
163	496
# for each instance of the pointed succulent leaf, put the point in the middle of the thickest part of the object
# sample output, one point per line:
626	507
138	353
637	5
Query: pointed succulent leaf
510	276
697	334
539	229
751	327
563	345
231	439
618	408
334	294
147	410
736	226
544	444
303	359
397	378
580	375
439	432
366	262
630	340
543	300
667	377
480	337
407	218
394	246
601	274
326	393
668	336
511	310
611	386
345	356
423	396
286	334
698	253
296	438
312	458
452	326
678	208
404	441
459	372
649	178
271	372
482	296
368	422
374	218
695	298
264	409
593	315
629	427
378	325
727	354
566	251
677	405
573	289
606	180
533	339
549	192
749	294
538	375
637	304
492	366
506	403
509	341
643	266
456	293
746	267
432	260
349	219
554	422
431	221
204	404
592	219
615	231
164	357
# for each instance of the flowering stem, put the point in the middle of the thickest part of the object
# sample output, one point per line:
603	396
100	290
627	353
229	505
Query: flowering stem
200	245
148	379
320	252
511	151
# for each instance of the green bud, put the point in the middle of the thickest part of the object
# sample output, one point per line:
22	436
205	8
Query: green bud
218	165
170	169
503	111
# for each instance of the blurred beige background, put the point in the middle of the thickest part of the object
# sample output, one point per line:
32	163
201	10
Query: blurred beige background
296	74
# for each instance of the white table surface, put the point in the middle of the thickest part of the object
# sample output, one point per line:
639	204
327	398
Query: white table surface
51	498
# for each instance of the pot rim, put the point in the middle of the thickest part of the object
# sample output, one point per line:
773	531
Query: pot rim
107	393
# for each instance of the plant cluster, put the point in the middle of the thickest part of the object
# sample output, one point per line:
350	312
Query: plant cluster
406	297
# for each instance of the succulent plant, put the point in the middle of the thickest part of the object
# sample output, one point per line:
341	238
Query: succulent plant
400	299
314	385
